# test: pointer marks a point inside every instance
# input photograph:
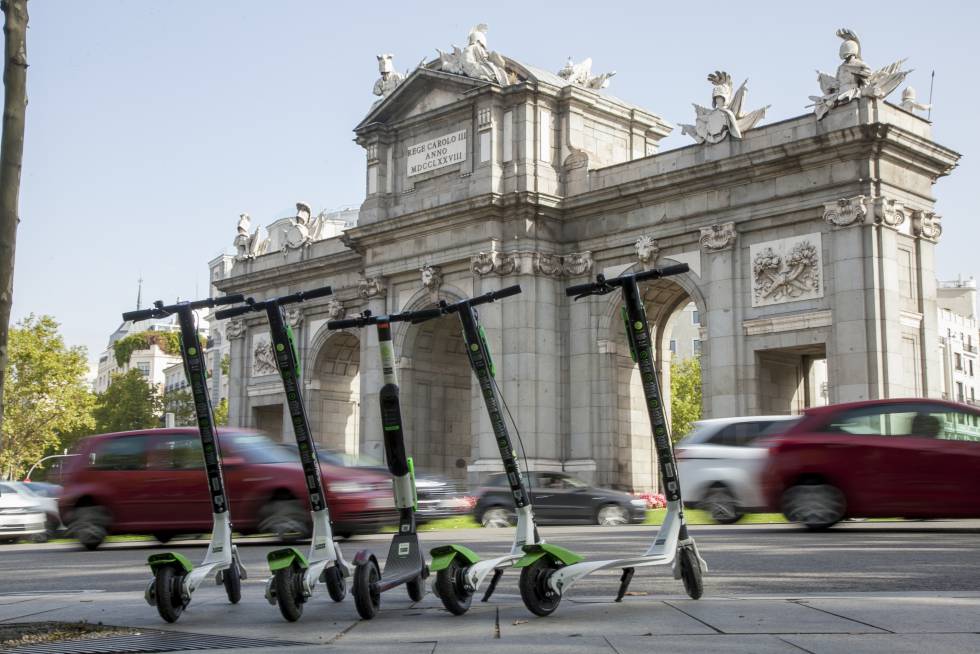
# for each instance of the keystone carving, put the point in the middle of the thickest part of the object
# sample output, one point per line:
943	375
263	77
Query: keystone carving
431	277
335	309
647	250
371	287
718	237
846	211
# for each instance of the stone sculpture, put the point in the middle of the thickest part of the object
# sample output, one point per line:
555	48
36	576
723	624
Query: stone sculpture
718	237
371	287
431	277
235	329
909	102
846	211
725	117
298	233
581	74
927	225
647	250
334	308
854	78
247	245
576	263
475	60
390	78
778	279
264	360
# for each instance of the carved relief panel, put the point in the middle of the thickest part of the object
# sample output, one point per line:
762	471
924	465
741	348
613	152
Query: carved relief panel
786	270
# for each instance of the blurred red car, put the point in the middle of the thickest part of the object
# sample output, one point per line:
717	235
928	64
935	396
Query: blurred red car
916	458
153	482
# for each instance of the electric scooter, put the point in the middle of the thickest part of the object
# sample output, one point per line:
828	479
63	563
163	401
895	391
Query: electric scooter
405	563
459	570
544	578
174	577
295	576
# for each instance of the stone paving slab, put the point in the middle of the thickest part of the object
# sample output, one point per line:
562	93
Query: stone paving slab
768	617
728	643
918	615
887	643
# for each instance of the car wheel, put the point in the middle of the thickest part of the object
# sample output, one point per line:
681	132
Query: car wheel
6	540
496	517
721	504
287	519
163	537
90	526
612	515
818	506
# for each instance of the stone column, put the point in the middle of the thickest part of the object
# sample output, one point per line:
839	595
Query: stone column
722	375
237	374
374	291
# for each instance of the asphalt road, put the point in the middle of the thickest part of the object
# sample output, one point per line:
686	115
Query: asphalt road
781	560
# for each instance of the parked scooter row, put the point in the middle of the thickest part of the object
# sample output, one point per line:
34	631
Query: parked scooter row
547	570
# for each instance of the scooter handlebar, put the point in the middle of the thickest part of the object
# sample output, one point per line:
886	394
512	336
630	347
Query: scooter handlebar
161	311
482	299
235	311
347	323
416	317
666	271
302	296
602	285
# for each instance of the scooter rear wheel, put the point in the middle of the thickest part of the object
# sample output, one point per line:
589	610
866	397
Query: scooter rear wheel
416	588
691	572
232	579
537	595
336	586
451	588
289	595
168	586
367	598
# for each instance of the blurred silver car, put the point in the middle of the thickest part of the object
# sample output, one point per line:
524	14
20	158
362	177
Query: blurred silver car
20	515
719	468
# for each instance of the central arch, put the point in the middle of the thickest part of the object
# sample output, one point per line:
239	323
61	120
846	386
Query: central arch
631	460
335	388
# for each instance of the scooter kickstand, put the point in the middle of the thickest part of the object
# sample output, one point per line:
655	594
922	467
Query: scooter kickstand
624	583
497	574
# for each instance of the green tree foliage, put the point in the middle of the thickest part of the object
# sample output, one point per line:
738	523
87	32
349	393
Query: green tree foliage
129	403
685	396
45	395
221	413
169	342
181	404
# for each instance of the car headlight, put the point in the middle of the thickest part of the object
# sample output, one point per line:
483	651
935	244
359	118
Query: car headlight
349	487
642	503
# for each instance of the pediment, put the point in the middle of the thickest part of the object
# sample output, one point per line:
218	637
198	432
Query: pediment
424	90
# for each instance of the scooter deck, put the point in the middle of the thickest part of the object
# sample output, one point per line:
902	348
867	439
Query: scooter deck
405	561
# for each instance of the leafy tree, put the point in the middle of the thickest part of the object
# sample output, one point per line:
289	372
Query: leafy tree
129	403
181	404
685	396
221	413
45	396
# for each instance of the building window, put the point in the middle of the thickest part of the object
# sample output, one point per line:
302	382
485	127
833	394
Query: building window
958	361
695	317
673	346
144	368
959	391
696	346
969	365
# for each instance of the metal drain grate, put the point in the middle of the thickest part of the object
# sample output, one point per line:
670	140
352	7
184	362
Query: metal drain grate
148	642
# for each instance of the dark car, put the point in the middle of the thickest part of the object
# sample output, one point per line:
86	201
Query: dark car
438	497
915	458
153	482
558	499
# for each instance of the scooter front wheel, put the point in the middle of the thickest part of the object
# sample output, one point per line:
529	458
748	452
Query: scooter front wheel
535	591
289	594
416	588
170	604
367	597
691	572
451	588
336	586
232	579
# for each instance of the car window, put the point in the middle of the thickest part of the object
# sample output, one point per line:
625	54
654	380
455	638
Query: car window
739	434
256	448
548	480
921	420
176	452
128	453
573	482
4	488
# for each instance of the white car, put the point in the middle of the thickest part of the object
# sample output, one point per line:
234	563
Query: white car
20	515
719	468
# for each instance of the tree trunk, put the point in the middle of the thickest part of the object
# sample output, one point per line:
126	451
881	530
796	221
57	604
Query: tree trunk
11	157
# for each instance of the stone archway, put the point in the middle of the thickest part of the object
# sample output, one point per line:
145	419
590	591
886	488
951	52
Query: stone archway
335	393
435	392
634	463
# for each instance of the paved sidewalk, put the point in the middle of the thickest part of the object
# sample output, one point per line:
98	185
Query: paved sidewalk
859	623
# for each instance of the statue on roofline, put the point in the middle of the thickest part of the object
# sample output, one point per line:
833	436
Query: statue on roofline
854	78
725	117
475	60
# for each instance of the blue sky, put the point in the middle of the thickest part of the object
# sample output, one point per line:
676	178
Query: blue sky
152	125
